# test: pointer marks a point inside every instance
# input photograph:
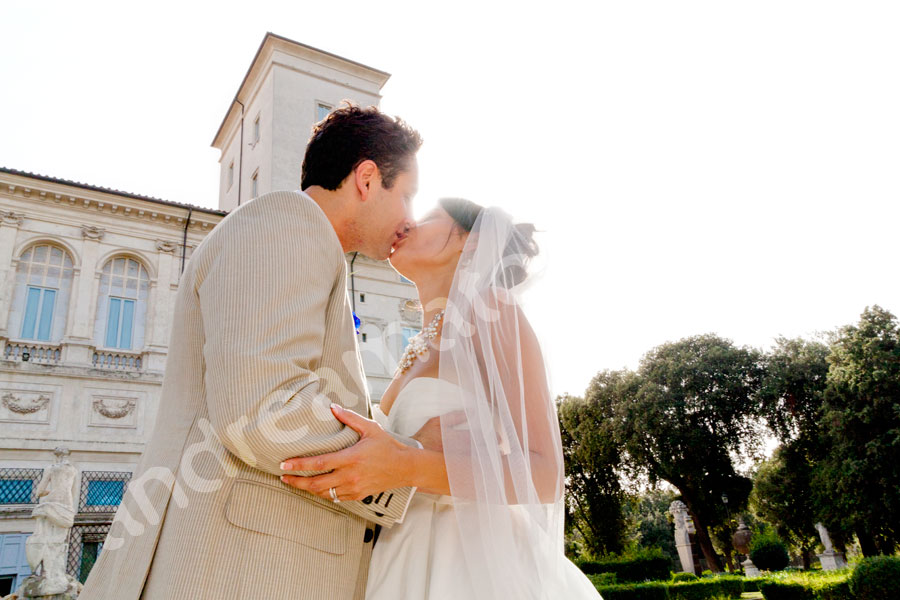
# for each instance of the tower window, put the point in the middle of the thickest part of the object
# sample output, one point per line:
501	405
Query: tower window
230	174
362	297
364	338
255	130
254	184
322	111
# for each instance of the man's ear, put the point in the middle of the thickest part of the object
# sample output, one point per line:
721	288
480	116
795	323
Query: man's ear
365	175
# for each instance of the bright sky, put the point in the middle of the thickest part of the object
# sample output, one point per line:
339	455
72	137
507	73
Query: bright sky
697	166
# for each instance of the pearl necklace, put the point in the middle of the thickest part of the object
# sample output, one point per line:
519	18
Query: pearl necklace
418	344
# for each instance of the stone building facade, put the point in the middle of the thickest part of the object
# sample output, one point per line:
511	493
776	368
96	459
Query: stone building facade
89	277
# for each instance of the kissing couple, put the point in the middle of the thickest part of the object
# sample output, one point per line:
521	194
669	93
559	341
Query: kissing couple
271	476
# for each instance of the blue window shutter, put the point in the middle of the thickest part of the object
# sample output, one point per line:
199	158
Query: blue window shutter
46	315
112	323
104	493
15	491
127	323
31	310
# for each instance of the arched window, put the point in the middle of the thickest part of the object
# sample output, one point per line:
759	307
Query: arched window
122	304
41	299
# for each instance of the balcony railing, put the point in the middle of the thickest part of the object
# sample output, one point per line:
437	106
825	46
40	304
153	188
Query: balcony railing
117	360
72	355
44	353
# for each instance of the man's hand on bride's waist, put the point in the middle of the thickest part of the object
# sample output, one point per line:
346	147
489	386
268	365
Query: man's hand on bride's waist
377	462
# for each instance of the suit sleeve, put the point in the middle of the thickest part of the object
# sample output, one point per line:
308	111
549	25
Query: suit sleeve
263	302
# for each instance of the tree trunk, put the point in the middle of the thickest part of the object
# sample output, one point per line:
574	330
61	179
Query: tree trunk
866	542
728	563
807	559
709	553
706	546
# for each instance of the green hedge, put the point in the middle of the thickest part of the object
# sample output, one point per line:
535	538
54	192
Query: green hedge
599	579
642	568
835	591
752	585
876	578
776	590
634	591
731	587
707	589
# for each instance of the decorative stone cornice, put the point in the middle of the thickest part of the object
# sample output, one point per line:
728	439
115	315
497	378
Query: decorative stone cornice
92	232
11	218
113	202
25	406
166	246
116	411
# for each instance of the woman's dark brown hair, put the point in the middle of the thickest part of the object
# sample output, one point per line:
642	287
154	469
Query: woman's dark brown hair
520	248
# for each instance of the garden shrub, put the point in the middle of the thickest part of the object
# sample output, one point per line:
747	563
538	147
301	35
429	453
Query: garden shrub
706	589
635	591
777	590
752	585
679	577
644	566
695	590
834	591
602	579
876	578
769	553
731	586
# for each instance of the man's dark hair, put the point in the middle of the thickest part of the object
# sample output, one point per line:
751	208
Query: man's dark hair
350	135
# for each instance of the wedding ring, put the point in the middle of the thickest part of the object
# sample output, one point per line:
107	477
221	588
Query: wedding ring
334	495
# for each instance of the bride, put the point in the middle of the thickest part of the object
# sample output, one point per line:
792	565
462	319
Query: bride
487	521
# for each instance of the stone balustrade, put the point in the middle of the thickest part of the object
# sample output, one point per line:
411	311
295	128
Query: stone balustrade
117	360
76	354
45	353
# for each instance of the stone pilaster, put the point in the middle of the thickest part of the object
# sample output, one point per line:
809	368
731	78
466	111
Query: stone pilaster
9	230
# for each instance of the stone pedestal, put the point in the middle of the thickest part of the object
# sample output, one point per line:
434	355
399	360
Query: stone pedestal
35	587
750	570
683	530
832	561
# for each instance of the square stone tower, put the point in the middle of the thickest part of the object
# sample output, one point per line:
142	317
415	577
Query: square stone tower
287	89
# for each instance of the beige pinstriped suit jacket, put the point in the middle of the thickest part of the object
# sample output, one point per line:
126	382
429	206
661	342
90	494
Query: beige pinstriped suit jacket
262	341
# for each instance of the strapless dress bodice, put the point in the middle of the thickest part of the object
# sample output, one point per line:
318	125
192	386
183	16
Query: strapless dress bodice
420	399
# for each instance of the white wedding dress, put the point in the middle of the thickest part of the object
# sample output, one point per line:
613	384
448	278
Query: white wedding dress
422	558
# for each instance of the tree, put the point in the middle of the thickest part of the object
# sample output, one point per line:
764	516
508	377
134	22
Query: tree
781	496
649	522
594	496
859	479
689	410
791	395
792	389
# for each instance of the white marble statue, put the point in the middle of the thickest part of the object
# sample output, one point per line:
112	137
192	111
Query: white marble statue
46	549
830	559
684	526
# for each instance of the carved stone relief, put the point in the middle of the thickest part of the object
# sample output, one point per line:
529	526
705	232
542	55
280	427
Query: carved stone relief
166	246
25	406
113	411
92	232
114	408
11	218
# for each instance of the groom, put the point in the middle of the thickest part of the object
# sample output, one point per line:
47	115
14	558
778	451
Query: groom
262	344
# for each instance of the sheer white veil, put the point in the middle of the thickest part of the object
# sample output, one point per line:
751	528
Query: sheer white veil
504	461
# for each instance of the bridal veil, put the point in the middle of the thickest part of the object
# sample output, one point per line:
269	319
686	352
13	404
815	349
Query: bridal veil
504	460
